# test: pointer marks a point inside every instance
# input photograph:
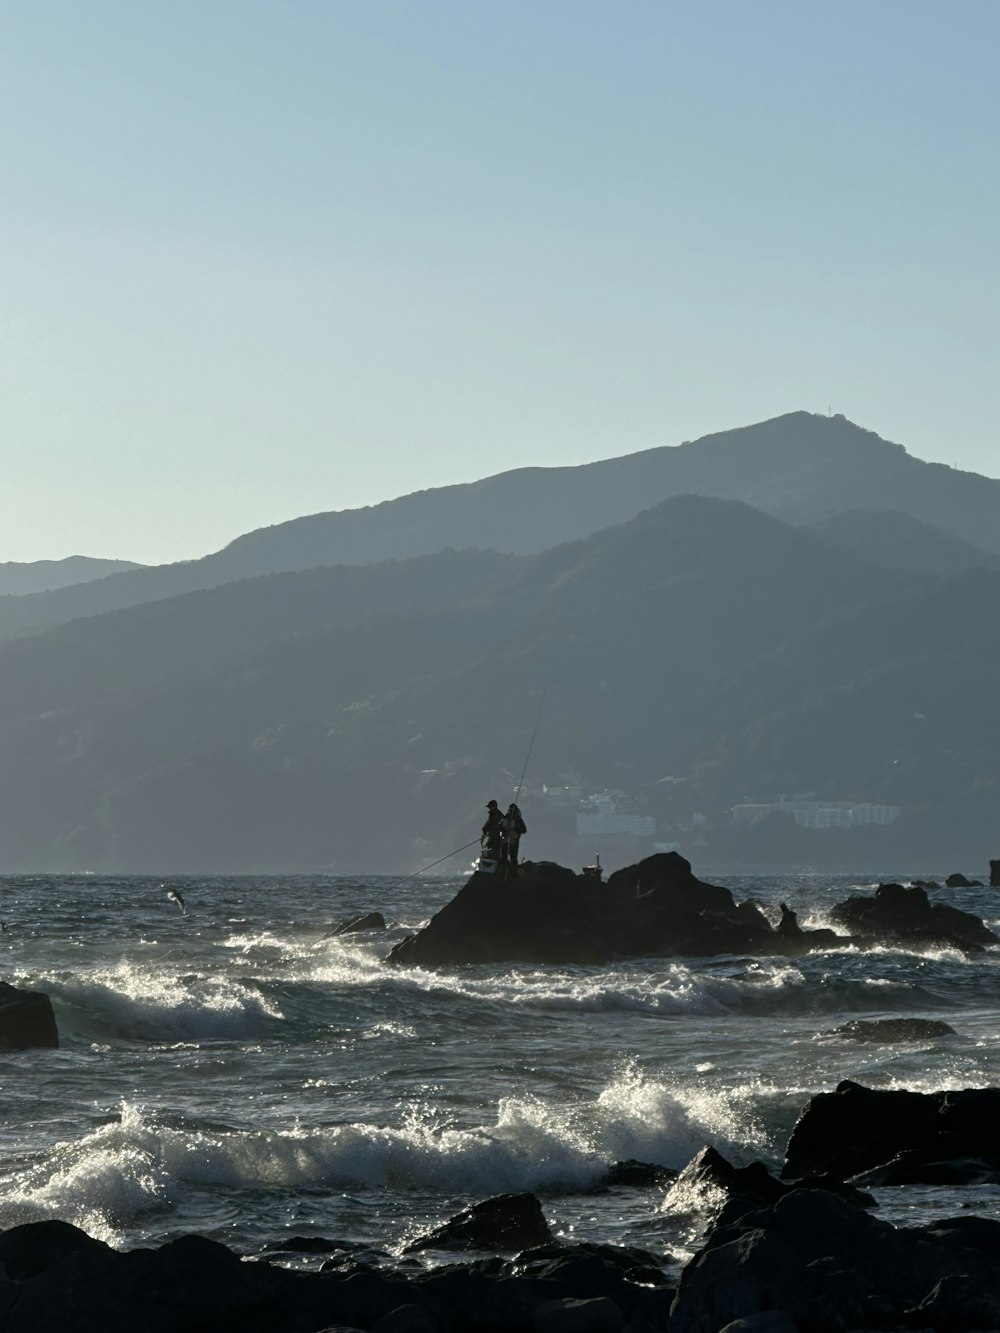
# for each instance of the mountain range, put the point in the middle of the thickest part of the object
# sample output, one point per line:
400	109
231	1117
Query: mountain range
684	655
799	467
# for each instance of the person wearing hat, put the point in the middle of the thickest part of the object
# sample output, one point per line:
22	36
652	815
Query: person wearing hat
490	839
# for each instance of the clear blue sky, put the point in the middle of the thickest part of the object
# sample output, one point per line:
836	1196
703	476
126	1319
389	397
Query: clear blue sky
262	258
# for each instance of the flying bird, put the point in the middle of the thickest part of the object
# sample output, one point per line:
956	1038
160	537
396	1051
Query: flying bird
174	897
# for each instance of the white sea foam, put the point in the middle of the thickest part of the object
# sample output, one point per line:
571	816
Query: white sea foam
666	987
139	1163
136	1003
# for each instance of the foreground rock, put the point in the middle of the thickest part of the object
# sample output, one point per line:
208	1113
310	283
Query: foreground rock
898	915
57	1279
26	1019
898	1137
814	1261
547	914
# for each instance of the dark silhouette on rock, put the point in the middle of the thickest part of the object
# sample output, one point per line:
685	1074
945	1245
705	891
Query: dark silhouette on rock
895	1137
549	914
958	881
26	1019
893	1029
896	914
363	921
508	1222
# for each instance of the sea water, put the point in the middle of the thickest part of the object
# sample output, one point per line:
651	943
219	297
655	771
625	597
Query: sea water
240	1072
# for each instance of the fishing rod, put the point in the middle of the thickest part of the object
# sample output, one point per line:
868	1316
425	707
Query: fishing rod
531	746
419	872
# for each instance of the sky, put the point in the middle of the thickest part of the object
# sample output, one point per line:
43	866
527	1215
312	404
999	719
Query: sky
264	258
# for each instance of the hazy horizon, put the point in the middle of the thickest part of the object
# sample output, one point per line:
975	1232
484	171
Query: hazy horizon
261	262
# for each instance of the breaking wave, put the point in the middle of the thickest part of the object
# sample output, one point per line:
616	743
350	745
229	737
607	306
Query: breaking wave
142	1161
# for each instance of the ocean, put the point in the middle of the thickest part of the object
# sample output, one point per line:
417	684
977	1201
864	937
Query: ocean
240	1073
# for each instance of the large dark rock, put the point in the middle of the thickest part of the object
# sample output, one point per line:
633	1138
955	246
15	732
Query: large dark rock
896	914
507	1222
896	1137
547	914
958	881
995	874
26	1019
829	1266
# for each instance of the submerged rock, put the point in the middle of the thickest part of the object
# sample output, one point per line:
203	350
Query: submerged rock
637	1175
26	1019
893	1029
548	914
877	1137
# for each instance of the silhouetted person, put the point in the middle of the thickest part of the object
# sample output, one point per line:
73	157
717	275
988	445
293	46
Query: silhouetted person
789	923
511	828
492	835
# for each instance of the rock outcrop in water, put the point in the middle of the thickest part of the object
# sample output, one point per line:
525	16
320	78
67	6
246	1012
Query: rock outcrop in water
896	1137
508	1222
548	914
658	908
899	915
995	874
361	921
26	1019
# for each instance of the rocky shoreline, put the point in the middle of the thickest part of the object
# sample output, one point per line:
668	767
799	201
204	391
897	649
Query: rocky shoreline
801	1254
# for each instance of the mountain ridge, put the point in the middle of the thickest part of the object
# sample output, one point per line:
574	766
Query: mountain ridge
796	467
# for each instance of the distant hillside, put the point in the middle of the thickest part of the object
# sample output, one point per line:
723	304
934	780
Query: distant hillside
900	541
357	719
797	467
18	578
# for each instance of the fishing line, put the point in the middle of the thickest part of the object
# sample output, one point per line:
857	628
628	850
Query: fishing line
531	745
419	872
